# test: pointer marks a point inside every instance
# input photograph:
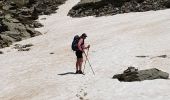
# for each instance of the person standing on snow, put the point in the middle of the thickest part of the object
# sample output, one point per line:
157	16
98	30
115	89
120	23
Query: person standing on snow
79	53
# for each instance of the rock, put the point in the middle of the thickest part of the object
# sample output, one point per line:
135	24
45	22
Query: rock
13	36
23	47
34	14
32	31
6	7
5	41
8	16
43	19
32	1
52	53
28	45
1	13
132	74
139	1
89	1
130	69
167	4
24	11
163	56
17	28
1	27
24	14
151	74
9	5
7	38
117	3
21	2
1	52
37	24
27	49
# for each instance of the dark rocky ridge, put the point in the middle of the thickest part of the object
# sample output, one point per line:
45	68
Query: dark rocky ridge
112	7
17	18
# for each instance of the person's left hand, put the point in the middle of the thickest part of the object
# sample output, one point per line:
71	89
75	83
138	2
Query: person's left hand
88	46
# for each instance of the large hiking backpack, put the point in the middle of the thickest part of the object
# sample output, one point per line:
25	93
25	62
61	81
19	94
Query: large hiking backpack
74	45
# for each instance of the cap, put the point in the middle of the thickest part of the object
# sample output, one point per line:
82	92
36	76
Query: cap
84	35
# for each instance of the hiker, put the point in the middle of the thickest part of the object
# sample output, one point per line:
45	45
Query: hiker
79	53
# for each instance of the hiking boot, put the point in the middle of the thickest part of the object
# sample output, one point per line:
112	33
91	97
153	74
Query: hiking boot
77	71
80	72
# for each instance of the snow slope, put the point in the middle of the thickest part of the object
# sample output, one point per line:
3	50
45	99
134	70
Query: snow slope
115	43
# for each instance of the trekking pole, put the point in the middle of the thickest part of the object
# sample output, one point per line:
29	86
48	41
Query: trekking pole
89	63
85	60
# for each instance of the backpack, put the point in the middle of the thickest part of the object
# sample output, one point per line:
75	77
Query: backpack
74	45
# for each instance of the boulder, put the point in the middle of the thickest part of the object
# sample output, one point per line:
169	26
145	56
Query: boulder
132	74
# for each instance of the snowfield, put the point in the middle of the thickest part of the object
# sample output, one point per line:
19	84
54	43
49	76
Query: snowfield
115	42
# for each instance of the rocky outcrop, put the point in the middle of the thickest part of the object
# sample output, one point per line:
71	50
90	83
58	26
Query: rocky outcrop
112	7
132	74
17	18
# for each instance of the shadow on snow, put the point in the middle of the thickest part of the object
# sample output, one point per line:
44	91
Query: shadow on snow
67	73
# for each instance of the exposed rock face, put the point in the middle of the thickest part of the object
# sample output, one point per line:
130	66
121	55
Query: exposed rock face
132	74
112	7
17	18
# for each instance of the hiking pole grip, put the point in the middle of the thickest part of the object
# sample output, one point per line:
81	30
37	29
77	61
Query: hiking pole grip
89	63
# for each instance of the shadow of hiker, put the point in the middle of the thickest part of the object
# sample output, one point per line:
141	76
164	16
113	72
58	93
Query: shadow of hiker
67	73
